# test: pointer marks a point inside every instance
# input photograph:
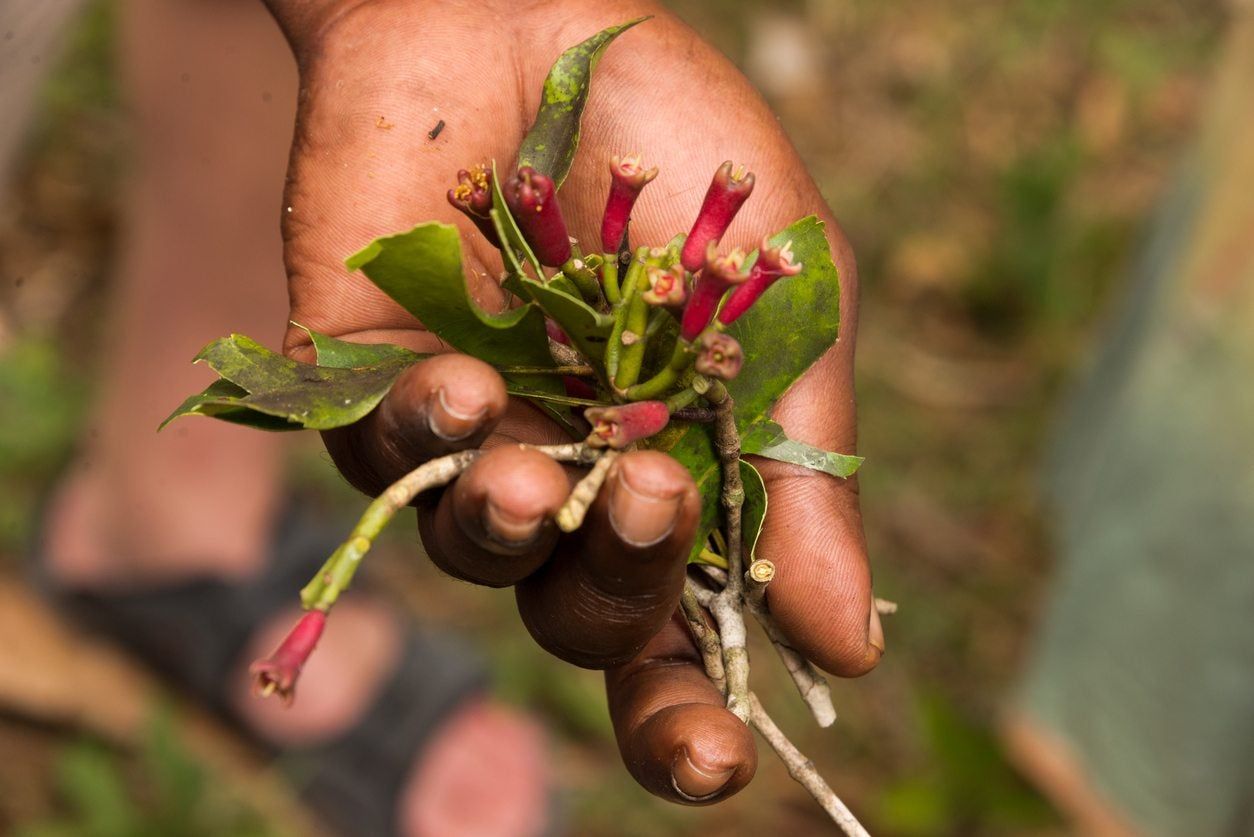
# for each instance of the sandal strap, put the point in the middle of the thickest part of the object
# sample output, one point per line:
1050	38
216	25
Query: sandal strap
193	632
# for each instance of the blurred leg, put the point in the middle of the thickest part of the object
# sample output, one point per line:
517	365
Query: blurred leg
213	95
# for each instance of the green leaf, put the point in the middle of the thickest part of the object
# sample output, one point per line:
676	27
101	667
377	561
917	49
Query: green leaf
753	512
766	438
264	389
514	248
422	270
342	354
586	327
789	328
549	146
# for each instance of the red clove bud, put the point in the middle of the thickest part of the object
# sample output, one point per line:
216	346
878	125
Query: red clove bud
720	273
473	196
620	425
773	264
667	286
278	672
532	199
719	355
727	192
628	177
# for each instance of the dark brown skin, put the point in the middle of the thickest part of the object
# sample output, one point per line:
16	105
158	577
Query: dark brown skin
603	597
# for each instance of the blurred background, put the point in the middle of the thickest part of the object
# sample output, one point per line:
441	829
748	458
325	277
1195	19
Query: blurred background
993	165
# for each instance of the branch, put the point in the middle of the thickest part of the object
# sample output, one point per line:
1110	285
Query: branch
579	370
811	685
564	355
758	575
803	770
337	573
704	635
728	606
570	516
799	767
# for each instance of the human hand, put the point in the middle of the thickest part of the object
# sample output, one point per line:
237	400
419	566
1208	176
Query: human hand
376	77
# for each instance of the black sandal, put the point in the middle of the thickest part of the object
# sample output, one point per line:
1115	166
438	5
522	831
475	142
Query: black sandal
354	780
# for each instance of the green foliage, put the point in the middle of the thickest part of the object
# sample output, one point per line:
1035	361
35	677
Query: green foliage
753	511
265	390
550	145
422	270
790	327
165	792
967	780
766	438
587	328
341	354
41	398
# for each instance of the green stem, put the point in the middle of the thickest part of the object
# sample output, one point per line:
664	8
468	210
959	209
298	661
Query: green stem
657	319
631	357
614	348
712	558
665	378
581	369
337	573
609	279
681	399
584	278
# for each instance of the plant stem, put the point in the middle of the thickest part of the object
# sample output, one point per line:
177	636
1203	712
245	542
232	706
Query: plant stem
665	378
800	768
577	369
584	279
803	770
614	348
728	606
704	635
678	405
636	323
337	573
609	279
710	558
811	685
570	516
564	355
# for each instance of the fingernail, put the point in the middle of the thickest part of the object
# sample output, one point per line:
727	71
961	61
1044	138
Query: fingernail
509	529
695	782
639	518
451	420
875	630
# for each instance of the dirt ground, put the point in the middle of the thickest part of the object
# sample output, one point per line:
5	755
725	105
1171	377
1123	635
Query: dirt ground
992	164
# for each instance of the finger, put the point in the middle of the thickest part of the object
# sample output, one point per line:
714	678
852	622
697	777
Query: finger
494	526
674	732
821	594
613	584
440	405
